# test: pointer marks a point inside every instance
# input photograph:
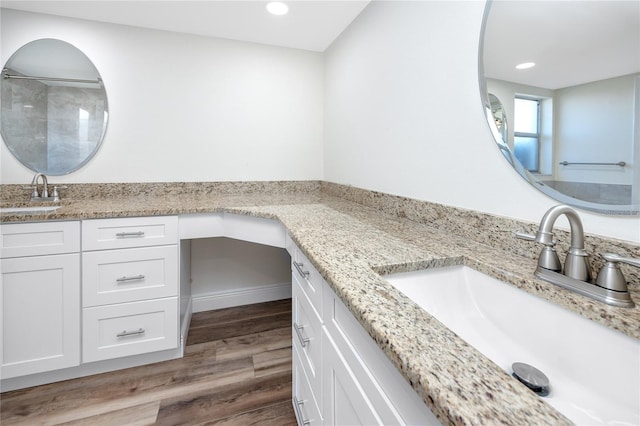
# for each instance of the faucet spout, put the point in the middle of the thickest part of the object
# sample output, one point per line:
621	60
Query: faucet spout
576	263
545	234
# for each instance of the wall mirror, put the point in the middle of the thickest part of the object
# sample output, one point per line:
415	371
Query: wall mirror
567	76
54	107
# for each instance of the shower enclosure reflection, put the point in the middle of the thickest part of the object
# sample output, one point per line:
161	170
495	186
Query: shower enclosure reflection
54	107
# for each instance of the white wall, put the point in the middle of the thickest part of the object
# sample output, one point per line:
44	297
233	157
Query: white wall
401	104
403	115
188	108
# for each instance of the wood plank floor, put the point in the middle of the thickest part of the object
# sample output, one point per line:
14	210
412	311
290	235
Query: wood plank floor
236	371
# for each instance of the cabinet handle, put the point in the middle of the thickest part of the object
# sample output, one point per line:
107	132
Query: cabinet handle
133	278
130	234
126	333
296	406
303	340
300	270
125	279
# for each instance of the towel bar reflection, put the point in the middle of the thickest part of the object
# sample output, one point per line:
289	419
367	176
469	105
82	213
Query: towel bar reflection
67	80
619	163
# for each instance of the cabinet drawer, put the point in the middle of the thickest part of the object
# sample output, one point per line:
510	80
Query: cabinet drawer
127	275
310	280
39	238
307	336
304	401
101	234
129	329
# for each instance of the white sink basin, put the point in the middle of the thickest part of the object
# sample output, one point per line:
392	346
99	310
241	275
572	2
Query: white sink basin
28	210
594	372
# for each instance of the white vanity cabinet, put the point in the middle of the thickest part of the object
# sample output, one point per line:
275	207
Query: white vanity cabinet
39	297
340	375
130	287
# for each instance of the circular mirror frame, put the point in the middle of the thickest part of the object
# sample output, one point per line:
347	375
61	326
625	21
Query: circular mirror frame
100	140
608	209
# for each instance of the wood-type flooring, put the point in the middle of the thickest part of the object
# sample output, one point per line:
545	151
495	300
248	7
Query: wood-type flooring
236	371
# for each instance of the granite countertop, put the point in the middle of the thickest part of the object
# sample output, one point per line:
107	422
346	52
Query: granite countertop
351	246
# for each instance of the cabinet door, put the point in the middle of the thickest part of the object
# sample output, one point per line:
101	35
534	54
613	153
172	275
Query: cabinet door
382	386
344	400
40	319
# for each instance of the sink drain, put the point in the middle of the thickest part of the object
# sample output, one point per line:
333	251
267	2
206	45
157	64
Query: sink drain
531	377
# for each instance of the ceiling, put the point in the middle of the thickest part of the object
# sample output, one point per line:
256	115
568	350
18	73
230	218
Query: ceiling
571	42
309	25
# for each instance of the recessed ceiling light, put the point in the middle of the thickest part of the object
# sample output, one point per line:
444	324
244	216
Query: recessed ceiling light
525	65
277	8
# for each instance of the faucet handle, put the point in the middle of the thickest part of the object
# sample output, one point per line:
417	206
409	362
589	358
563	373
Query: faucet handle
612	257
610	275
536	238
524	236
548	258
54	194
33	189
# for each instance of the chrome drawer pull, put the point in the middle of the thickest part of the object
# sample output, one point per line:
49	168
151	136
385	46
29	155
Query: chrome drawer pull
130	234
125	279
296	406
303	340
126	333
300	270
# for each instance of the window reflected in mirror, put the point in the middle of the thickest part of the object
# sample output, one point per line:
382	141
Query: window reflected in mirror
526	134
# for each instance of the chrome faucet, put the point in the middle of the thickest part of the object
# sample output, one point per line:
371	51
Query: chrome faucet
45	185
44	195
610	287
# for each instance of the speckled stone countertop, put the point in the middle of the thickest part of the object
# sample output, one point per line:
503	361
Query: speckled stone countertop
351	245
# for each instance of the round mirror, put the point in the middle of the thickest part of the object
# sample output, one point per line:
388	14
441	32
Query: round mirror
54	107
568	78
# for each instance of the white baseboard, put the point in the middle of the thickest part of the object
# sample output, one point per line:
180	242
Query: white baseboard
239	297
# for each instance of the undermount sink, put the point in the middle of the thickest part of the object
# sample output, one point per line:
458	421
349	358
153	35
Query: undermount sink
593	371
28	210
